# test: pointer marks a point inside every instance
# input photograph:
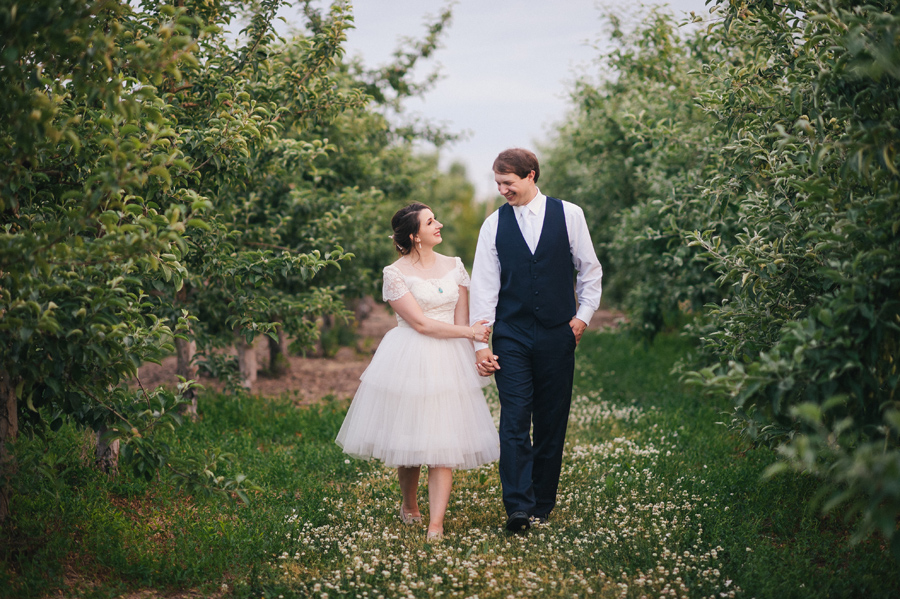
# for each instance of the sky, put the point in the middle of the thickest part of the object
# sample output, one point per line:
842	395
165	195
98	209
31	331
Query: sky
506	66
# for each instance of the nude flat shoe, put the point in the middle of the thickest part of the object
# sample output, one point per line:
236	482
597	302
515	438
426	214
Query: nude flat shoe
409	518
434	536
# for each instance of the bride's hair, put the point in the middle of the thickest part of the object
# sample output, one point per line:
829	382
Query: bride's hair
405	222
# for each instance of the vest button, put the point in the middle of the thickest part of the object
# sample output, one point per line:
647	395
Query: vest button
536	308
536	292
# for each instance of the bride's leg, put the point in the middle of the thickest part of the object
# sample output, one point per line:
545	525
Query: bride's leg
440	480
409	486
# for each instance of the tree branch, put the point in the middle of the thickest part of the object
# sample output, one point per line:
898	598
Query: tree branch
102	403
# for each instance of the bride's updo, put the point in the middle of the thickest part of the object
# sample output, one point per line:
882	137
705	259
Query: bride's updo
405	223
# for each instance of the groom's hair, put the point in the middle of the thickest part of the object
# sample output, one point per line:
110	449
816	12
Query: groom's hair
519	162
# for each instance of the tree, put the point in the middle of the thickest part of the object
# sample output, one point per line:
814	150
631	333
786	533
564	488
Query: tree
807	339
87	206
452	197
330	174
634	152
129	139
789	193
163	186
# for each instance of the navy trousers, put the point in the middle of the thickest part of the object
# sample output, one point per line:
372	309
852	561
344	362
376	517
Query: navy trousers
537	366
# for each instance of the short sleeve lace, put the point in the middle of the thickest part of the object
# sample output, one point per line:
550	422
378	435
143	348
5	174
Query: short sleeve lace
394	286
462	277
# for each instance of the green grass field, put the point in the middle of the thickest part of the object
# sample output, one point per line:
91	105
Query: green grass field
656	499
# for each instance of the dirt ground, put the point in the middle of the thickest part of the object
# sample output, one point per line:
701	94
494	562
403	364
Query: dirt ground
310	379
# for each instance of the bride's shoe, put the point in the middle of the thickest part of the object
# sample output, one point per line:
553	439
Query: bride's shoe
409	518
434	535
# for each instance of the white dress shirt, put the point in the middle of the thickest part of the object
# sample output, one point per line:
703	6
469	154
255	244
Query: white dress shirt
485	289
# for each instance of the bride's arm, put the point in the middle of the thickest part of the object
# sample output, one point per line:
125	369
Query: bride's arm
410	311
461	314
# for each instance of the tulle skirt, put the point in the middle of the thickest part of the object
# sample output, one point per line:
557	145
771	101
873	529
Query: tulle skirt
420	401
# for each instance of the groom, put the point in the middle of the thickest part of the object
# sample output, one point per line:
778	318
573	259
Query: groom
527	257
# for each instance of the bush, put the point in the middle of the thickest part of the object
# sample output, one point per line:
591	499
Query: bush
786	188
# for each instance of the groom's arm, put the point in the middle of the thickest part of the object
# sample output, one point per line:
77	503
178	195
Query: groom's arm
485	286
588	282
485	290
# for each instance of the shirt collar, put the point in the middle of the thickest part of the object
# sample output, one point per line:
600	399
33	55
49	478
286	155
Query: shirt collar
535	206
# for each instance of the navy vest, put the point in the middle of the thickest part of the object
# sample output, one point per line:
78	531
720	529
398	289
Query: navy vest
539	286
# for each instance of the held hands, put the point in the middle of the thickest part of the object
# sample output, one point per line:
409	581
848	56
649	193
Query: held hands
480	332
486	362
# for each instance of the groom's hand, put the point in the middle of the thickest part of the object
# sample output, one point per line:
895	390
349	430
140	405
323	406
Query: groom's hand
578	327
486	362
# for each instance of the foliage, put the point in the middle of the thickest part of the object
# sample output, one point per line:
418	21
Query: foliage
646	471
633	152
245	277
94	218
812	327
795	207
160	181
452	197
336	166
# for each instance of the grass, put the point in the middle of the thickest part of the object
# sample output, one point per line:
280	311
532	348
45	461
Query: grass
656	499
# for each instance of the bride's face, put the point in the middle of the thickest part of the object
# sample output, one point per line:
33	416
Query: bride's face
429	229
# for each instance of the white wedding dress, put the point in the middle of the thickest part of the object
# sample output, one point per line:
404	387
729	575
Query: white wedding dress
420	401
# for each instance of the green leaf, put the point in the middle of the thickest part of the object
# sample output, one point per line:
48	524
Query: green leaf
892	417
161	172
199	224
774	470
109	218
809	412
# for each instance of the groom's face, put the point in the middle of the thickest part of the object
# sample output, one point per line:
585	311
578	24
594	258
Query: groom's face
515	189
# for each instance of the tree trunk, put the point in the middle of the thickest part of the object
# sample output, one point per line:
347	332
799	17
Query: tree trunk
9	430
326	324
107	454
246	353
278	354
362	308
185	350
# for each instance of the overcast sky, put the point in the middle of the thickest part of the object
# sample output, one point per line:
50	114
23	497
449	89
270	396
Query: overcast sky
506	66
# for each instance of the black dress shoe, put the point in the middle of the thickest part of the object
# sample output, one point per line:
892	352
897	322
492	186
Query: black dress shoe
518	521
541	518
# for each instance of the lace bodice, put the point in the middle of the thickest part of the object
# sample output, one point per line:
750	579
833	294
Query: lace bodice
436	290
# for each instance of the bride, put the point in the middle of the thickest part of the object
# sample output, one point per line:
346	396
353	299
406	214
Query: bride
420	400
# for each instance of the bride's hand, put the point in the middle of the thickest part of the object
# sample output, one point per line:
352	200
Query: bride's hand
480	332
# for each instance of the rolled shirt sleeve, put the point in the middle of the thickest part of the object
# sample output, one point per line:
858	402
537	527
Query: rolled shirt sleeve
485	289
588	282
